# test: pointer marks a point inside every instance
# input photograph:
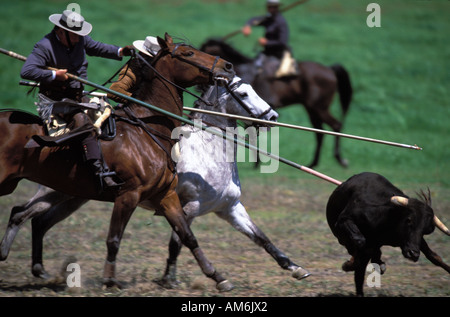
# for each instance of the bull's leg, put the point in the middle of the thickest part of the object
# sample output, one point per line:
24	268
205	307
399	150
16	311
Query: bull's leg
361	261
238	217
351	237
349	265
174	214
60	206
376	258
349	234
432	256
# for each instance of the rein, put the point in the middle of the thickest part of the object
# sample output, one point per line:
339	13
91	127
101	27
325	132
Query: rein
110	79
142	59
230	88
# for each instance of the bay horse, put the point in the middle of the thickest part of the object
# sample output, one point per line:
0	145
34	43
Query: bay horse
314	87
141	162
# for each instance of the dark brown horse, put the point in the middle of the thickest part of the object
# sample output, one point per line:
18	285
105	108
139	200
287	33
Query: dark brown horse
314	87
142	164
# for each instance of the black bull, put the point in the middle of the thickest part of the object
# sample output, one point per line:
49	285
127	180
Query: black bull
367	212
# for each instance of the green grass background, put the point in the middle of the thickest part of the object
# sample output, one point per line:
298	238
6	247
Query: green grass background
400	71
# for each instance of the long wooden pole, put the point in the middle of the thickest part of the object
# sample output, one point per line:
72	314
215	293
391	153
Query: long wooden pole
299	127
195	124
279	124
414	147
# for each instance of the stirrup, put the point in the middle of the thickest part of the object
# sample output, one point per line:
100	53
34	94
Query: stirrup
113	177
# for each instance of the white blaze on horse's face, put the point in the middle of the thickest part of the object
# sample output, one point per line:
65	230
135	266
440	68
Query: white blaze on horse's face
249	103
250	97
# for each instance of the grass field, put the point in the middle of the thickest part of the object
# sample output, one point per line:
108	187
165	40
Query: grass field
400	75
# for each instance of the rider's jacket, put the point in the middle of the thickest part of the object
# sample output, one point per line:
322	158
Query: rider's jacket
50	52
277	33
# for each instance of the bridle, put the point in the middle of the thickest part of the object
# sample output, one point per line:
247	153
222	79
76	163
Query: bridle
232	91
161	53
230	88
204	68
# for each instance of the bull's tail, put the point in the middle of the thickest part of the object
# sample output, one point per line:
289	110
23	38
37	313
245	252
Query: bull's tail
345	88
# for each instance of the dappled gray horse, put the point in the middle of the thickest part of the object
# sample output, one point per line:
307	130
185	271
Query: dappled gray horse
208	181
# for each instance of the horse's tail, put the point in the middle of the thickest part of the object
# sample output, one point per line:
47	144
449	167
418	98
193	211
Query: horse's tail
344	86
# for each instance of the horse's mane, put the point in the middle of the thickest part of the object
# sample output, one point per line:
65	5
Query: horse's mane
229	52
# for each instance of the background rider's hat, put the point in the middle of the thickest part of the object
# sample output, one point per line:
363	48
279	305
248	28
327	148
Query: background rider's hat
273	2
72	22
149	47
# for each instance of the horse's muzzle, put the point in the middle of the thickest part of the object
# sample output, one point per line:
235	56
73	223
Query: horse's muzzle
225	72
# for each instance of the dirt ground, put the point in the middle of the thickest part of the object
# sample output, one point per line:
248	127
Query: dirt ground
292	215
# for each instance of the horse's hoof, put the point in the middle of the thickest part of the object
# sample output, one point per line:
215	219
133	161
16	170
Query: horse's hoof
3	255
167	282
300	273
224	286
38	271
344	163
111	283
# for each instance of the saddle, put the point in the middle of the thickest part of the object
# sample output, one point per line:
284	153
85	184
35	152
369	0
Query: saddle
57	132
288	66
273	67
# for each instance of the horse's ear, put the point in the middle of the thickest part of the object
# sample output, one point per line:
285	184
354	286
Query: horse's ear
168	38
162	43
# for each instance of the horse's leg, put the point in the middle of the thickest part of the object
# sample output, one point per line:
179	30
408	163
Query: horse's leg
174	214
124	207
241	221
59	207
336	125
169	279
317	124
18	216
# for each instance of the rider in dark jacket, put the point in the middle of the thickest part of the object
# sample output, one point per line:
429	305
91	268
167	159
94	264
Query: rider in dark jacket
65	49
275	40
276	36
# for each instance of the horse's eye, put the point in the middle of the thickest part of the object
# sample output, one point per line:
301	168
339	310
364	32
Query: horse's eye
243	94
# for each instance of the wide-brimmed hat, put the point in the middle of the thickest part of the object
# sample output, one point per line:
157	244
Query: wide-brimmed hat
273	2
149	47
72	22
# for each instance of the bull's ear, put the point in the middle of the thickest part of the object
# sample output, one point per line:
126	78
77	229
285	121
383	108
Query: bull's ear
399	200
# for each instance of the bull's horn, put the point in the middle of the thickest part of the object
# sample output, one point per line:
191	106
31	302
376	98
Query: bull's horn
399	200
441	226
